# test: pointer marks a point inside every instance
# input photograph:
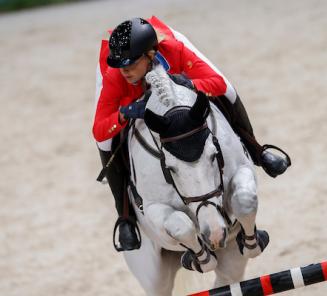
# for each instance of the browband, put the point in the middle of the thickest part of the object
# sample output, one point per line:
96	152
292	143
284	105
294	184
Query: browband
185	135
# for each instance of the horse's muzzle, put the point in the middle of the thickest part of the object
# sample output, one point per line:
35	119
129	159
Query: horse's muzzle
215	240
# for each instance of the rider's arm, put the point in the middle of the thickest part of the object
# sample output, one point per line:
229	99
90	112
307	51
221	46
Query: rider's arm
204	75
106	122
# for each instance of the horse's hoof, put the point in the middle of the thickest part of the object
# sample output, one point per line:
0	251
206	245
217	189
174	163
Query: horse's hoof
263	239
188	258
191	262
254	249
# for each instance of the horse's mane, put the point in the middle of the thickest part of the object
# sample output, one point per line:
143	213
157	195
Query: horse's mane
165	93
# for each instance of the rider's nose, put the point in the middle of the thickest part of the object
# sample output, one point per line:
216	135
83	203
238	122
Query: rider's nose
125	70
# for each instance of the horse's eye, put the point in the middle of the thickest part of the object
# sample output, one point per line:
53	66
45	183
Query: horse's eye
172	170
213	157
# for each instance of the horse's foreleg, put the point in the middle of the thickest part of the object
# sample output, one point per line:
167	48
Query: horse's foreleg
177	230
244	205
197	257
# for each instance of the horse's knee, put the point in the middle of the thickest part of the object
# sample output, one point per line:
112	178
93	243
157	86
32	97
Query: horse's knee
180	227
244	202
244	199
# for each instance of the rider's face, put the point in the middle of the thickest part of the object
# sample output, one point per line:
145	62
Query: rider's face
137	70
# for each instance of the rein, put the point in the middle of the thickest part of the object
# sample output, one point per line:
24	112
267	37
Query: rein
203	199
105	168
167	172
158	153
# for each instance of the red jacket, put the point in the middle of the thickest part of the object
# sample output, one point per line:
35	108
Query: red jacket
117	92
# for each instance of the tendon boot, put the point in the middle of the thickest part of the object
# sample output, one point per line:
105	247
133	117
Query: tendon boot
254	245
117	175
237	116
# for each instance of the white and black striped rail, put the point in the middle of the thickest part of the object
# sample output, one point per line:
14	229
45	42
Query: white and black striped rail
273	283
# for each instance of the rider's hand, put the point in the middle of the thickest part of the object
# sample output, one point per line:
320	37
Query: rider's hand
121	118
134	110
182	80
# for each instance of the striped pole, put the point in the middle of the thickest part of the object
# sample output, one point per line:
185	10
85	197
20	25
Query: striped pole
273	283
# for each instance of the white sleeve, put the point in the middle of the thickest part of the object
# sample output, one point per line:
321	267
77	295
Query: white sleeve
98	84
105	145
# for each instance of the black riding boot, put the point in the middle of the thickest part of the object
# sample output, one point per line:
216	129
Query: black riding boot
237	116
117	175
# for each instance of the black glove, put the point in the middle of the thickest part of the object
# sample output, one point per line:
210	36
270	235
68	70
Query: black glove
134	110
181	79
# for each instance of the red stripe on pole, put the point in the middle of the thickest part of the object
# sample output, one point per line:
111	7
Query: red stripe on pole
324	269
266	285
204	293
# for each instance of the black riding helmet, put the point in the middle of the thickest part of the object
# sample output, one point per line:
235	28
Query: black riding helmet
129	41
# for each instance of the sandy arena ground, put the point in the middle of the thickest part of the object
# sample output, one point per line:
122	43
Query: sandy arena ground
56	220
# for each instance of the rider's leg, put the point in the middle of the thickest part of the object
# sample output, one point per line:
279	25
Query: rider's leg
237	116
177	229
243	204
117	176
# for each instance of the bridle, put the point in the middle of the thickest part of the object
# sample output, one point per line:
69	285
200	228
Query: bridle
167	171
159	154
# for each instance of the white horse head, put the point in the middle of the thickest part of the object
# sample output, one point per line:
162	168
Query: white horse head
191	162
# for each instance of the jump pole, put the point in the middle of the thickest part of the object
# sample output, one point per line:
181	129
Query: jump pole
273	283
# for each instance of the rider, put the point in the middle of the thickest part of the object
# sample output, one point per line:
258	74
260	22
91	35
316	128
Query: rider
134	46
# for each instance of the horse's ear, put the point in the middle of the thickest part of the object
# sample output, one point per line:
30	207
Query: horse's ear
201	108
156	123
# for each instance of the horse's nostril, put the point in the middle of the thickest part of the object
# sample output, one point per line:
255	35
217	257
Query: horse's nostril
206	239
222	243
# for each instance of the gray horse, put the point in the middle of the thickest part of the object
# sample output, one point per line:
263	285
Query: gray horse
194	190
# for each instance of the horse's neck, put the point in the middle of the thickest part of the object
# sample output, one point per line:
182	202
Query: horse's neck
146	172
230	143
219	125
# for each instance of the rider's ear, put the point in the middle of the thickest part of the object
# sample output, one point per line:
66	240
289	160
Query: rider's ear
151	53
201	108
156	123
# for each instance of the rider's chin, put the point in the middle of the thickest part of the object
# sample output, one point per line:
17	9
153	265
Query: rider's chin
130	79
